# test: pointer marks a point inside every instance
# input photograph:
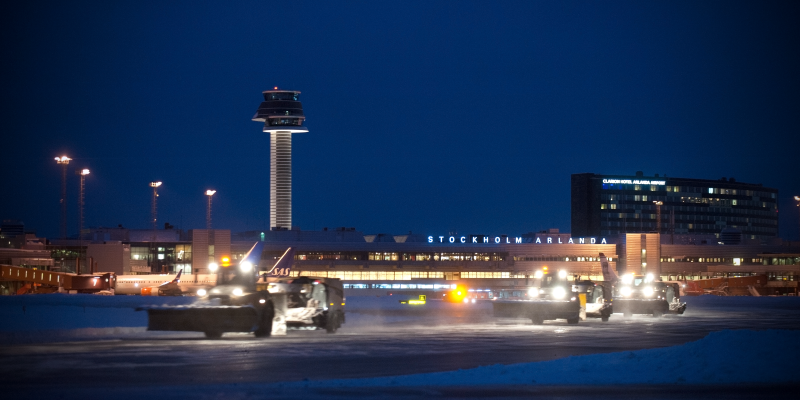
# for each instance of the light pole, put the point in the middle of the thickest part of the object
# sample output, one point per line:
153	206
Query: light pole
153	218
83	174
154	207
209	193
658	215
63	161
797	204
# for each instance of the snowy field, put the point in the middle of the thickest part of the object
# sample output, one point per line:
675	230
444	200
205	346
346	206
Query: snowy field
729	347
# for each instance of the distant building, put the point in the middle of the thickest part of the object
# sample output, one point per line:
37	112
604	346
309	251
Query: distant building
609	205
12	228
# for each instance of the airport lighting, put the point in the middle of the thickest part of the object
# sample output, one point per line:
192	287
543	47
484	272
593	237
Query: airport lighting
209	193
63	161
82	174
154	206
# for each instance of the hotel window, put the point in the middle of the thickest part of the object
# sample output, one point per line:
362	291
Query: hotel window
637	187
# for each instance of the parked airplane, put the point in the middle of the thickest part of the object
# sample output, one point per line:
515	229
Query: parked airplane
155	285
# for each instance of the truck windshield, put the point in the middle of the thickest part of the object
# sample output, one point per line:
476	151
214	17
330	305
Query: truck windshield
232	276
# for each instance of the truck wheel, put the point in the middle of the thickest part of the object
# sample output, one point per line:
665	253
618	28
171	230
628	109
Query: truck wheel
265	325
537	319
213	334
332	323
604	318
573	320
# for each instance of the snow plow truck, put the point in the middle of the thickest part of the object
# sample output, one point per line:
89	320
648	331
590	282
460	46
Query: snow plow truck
246	299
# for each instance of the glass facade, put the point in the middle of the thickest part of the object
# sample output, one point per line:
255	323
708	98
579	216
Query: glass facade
603	206
166	258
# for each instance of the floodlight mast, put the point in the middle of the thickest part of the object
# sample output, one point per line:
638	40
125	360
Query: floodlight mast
282	115
63	161
154	207
209	193
82	174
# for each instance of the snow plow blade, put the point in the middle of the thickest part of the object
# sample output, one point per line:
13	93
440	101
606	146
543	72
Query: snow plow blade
202	319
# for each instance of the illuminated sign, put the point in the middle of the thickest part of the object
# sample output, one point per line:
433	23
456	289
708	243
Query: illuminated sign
634	182
513	240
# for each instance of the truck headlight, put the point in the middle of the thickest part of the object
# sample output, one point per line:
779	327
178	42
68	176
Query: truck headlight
201	292
246	266
237	292
647	291
627	279
625	291
213	267
533	292
559	292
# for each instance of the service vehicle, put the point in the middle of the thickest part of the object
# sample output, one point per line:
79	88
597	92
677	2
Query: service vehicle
598	299
262	302
311	302
550	297
642	294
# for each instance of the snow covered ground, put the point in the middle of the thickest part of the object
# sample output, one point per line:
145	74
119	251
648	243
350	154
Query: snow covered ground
725	357
721	341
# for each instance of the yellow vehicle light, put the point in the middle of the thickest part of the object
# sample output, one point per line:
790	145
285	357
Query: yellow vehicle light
342	303
331	303
416	302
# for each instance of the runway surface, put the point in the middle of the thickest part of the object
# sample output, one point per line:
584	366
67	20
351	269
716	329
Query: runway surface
375	341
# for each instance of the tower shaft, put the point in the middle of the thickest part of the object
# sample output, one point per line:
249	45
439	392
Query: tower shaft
280	207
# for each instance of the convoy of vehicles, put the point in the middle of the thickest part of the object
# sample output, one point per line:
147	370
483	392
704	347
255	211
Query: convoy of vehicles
270	302
553	297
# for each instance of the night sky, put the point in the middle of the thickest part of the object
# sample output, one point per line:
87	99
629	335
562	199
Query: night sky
428	116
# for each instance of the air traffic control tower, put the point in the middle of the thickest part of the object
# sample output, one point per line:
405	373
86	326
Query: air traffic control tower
282	115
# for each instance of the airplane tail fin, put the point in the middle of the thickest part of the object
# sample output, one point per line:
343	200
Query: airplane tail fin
177	277
283	266
608	274
254	255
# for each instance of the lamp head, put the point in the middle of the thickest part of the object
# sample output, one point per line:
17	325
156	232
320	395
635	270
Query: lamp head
210	192
155	184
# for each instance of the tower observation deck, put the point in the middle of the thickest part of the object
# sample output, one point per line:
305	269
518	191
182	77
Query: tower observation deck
282	115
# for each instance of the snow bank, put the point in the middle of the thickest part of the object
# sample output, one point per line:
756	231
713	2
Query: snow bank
725	357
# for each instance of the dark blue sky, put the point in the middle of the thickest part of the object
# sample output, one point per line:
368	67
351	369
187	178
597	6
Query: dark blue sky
424	116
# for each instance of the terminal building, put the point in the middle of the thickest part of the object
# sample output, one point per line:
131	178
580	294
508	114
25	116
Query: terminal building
724	209
382	261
